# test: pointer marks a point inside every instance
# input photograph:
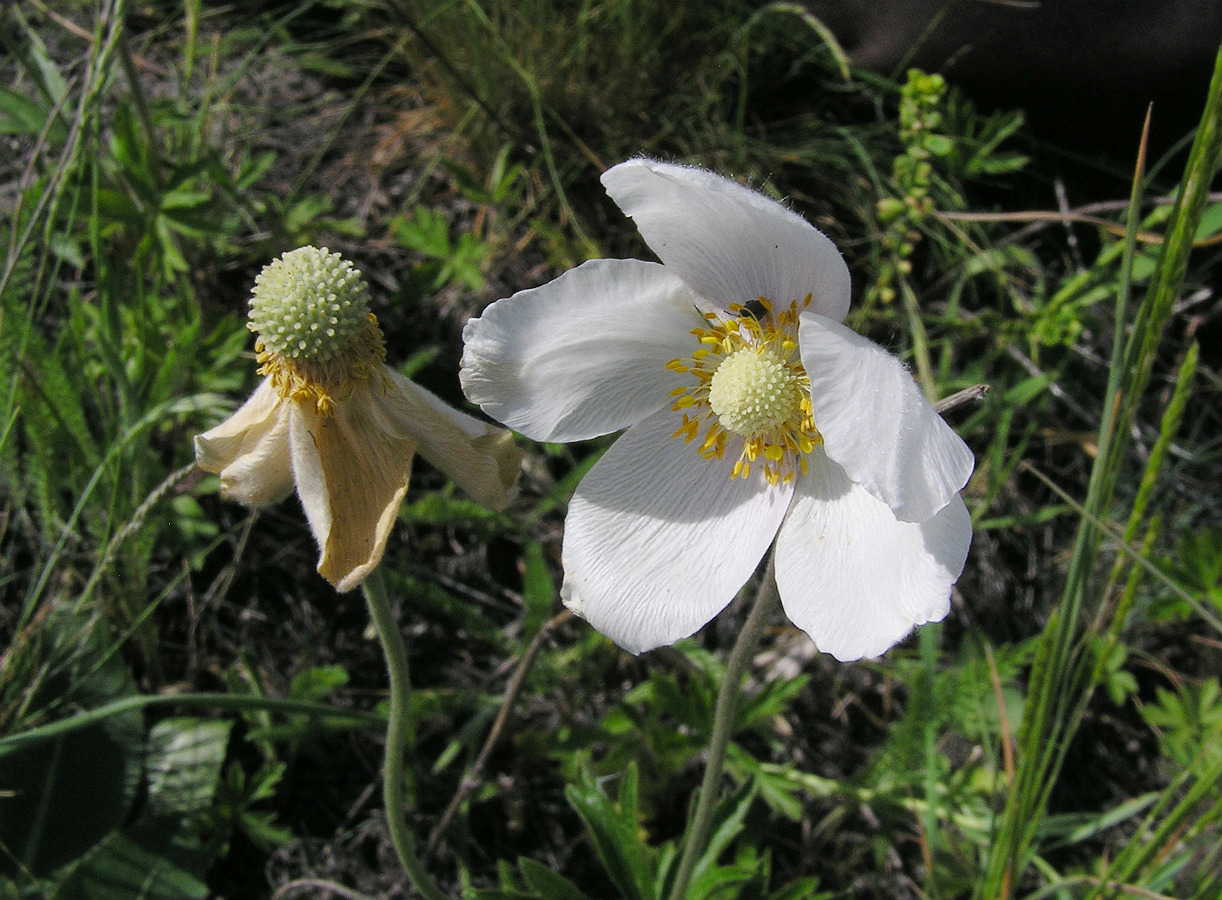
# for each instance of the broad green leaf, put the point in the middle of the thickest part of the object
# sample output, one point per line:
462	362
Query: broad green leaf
42	819
183	764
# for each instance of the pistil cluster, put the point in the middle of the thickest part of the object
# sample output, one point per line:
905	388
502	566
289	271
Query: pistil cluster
316	336
752	395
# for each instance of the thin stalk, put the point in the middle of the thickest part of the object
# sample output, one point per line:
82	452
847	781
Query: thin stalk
723	729
393	793
1168	428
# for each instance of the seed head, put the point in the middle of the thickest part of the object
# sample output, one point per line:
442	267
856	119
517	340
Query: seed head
309	304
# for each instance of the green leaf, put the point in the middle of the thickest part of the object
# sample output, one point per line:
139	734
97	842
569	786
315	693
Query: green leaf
1027	390
616	837
538	589
427	232
801	889
318	682
42	819
262	830
37	60
728	818
1073	828
772	700
439	509
937	144
20	115
546	883
120	869
778	791
1211	222
183	764
724	882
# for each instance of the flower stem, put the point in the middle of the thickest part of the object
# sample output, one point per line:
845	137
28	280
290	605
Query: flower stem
393	793
723	729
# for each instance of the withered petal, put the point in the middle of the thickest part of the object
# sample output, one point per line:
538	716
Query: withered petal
250	450
351	476
480	458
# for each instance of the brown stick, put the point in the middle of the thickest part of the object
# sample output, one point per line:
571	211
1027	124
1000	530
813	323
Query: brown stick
975	392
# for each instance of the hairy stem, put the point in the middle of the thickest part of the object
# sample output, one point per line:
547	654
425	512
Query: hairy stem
393	793
723	729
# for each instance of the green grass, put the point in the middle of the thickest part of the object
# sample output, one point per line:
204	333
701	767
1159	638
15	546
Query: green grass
187	710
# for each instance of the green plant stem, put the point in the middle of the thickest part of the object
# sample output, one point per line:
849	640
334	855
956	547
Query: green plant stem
723	728
195	700
393	793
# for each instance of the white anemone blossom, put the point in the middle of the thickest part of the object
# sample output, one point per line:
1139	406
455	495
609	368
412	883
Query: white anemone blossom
752	414
334	422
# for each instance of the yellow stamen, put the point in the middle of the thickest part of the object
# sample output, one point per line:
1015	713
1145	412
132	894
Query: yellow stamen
750	390
333	380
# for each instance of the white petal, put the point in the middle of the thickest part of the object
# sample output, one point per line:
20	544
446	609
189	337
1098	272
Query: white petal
877	424
351	476
250	450
480	458
583	355
728	242
855	578
658	541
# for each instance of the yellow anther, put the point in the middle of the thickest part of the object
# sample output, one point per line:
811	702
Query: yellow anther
754	405
329	381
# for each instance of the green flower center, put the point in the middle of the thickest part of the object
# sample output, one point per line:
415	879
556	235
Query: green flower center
754	390
309	305
751	396
317	340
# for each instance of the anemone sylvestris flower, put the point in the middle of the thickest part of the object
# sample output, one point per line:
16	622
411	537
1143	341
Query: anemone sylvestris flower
752	415
333	421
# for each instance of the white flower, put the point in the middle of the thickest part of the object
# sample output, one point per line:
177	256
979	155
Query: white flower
752	415
333	421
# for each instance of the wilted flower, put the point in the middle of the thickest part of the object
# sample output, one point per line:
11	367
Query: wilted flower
752	415
333	421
